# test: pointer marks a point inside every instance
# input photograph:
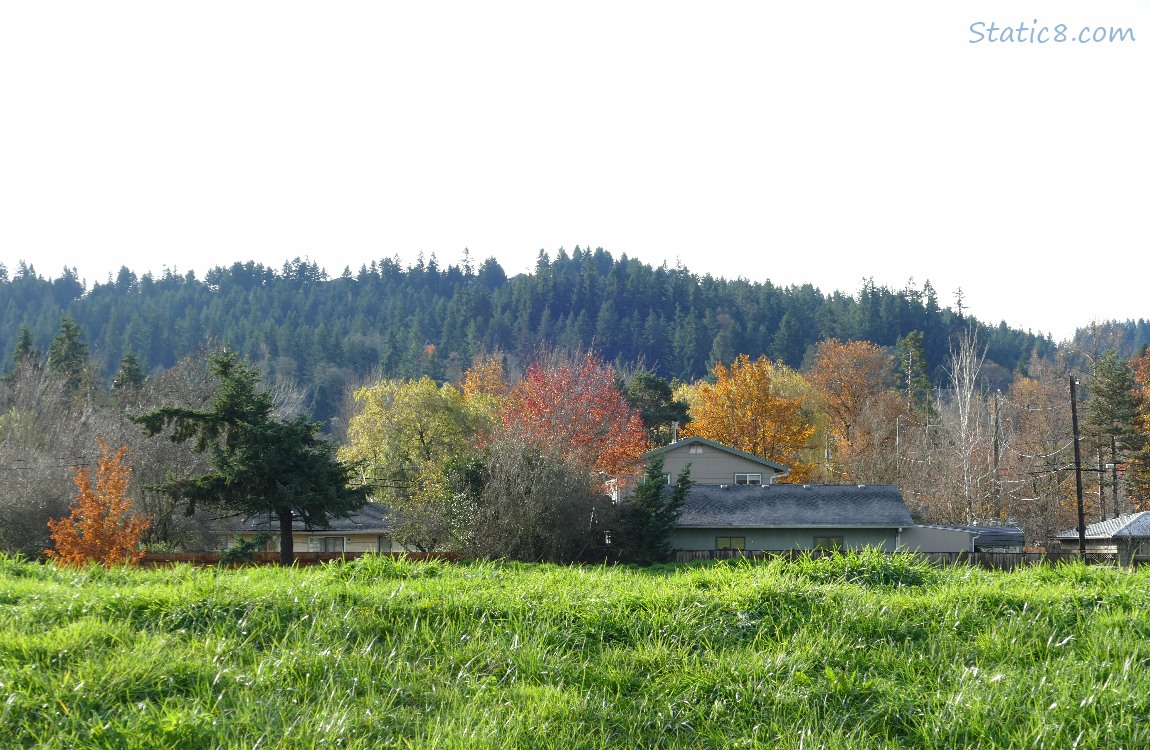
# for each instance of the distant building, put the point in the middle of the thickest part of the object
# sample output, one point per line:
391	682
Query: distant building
793	516
366	530
1127	536
736	503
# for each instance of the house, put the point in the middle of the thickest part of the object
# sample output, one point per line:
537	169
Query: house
792	516
714	463
1128	536
366	530
735	503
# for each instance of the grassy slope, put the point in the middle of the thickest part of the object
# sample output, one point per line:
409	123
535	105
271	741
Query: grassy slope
851	652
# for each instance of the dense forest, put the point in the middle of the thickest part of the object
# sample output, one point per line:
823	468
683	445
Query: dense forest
386	320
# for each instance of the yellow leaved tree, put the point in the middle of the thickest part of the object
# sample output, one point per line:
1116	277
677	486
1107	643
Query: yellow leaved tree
745	410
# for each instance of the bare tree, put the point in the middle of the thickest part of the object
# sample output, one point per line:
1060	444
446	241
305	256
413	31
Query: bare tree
537	505
963	417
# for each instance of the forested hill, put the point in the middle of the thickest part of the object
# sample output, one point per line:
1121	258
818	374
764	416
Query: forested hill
427	319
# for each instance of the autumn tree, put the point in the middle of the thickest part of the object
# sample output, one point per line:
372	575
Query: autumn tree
102	528
853	383
574	405
487	377
409	440
743	409
564	433
1138	470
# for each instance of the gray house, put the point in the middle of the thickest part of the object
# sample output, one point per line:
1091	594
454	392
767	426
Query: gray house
1128	536
793	516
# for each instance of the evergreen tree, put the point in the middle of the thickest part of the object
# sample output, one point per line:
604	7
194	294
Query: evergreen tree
130	375
24	353
261	464
652	396
1112	412
648	519
910	362
68	354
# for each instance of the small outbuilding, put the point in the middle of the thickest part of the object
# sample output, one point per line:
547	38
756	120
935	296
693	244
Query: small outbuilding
1127	536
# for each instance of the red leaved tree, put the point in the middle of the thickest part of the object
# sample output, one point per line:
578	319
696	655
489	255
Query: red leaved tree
574	405
102	528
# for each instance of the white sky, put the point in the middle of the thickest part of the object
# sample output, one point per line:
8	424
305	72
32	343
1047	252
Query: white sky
818	142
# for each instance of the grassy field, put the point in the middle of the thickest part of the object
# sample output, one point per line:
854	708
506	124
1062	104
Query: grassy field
848	652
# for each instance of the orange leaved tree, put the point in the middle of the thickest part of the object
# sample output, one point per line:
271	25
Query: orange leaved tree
743	410
853	384
574	405
102	528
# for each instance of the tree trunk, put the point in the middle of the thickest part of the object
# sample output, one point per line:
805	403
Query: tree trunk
287	551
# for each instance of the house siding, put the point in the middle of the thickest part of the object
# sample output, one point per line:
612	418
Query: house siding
712	466
786	538
932	539
353	542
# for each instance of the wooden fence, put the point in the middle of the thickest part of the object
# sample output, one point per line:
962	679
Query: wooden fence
302	559
988	560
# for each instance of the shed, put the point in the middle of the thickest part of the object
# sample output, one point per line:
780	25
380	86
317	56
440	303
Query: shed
1128	536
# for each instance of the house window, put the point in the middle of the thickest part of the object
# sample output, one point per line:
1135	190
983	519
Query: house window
331	544
695	450
829	542
730	542
748	479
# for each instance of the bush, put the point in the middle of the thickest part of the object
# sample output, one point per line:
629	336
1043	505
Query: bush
868	567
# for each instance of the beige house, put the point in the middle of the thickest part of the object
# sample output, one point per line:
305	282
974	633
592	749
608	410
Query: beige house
715	463
366	530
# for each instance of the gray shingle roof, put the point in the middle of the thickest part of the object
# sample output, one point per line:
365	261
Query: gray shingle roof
1133	525
795	506
370	518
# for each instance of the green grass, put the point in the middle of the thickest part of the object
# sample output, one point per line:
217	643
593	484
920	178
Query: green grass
859	651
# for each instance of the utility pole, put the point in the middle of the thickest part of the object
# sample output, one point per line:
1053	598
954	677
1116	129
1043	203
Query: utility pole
1114	476
1077	468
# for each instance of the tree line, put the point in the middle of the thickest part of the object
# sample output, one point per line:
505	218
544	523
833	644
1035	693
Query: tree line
328	333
